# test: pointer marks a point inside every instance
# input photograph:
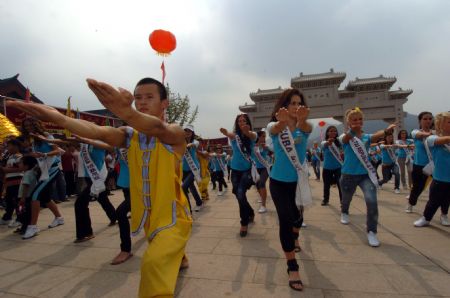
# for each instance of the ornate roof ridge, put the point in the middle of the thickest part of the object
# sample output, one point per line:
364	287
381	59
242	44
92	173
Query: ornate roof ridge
268	91
319	76
372	80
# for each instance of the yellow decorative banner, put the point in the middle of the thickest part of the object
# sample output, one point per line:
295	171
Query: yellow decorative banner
7	128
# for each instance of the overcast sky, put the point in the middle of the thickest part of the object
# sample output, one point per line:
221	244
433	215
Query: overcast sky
226	49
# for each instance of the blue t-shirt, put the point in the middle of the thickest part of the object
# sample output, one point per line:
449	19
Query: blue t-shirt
124	174
264	154
441	159
44	147
385	157
329	161
193	152
215	165
238	162
401	152
420	155
315	152
352	165
282	169
98	157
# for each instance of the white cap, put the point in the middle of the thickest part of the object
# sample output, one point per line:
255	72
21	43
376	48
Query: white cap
189	126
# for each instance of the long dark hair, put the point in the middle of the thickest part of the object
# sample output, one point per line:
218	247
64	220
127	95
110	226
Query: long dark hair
423	114
285	99
336	140
37	128
399	135
246	142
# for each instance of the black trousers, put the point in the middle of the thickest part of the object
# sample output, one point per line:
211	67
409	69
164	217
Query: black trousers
419	180
122	219
331	177
220	179
189	186
82	216
388	171
213	179
242	181
289	216
439	197
70	182
11	201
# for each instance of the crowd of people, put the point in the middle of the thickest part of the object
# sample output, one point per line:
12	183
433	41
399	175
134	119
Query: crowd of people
160	166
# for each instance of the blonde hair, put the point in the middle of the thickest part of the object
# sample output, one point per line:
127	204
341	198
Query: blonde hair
351	112
438	121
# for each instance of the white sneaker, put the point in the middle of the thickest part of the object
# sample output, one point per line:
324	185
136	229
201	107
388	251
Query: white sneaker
14	224
220	193
444	220
373	240
407	197
345	220
262	209
4	222
30	232
397	190
56	222
304	225
421	222
409	208
197	208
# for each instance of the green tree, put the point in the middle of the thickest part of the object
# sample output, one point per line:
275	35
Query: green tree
179	110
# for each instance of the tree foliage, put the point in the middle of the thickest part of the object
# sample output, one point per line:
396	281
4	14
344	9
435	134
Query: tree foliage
179	110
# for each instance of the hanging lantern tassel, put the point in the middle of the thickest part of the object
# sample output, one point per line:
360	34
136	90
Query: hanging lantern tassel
163	69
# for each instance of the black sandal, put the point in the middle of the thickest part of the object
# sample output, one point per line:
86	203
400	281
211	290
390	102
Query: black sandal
293	267
243	233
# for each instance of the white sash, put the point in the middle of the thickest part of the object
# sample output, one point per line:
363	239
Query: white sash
409	153
392	156
45	164
195	170
360	151
335	151
429	167
261	159
254	171
303	196
315	154
222	165
98	177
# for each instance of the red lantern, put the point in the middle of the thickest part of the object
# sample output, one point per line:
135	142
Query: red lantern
163	42
322	123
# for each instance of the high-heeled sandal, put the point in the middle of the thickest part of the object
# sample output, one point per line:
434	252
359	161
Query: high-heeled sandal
243	233
293	267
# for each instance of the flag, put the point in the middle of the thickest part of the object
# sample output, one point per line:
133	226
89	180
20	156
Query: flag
67	133
163	68
27	95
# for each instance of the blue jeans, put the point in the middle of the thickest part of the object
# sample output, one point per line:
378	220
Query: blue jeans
348	188
315	163
242	181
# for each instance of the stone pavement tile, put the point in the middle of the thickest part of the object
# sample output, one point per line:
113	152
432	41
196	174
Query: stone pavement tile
417	280
202	244
434	246
254	248
11	295
30	252
34	279
405	226
226	232
92	283
325	275
230	268
355	294
364	254
199	288
216	222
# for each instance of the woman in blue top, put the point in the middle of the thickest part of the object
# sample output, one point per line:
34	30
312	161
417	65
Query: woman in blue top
357	170
242	141
261	151
332	163
419	179
439	145
405	157
315	159
188	174
388	159
289	112
218	165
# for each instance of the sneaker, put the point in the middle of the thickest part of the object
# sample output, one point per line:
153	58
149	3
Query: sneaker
220	193
345	220
409	208
4	222
197	208
324	203
407	197
262	209
14	224
304	225
373	240
421	222
56	222
444	220
30	232
397	190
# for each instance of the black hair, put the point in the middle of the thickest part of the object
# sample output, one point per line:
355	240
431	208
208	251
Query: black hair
150	81
420	116
387	135
285	99
259	134
246	142
336	140
29	161
192	137
399	135
14	142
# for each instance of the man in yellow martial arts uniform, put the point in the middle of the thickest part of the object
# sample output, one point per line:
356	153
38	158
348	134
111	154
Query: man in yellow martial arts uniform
203	158
155	149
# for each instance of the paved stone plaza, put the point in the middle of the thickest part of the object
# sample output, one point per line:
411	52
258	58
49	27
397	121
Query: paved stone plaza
335	261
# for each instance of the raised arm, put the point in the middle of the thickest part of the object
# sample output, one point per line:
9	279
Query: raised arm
227	133
442	140
120	102
282	116
302	115
111	135
382	133
95	143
